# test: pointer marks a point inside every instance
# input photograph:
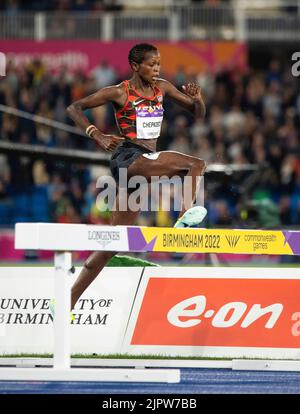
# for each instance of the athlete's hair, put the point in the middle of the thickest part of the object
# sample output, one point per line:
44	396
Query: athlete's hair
137	53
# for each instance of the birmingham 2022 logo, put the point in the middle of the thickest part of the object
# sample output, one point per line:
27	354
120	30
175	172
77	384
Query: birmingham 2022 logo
2	64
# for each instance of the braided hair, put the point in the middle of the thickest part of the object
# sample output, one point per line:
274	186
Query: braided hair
137	53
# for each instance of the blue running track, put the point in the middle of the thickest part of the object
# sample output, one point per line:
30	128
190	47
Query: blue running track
193	381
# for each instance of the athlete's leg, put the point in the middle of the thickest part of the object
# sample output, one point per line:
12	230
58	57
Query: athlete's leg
97	260
170	164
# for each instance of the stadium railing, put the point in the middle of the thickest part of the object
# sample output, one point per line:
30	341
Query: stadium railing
273	21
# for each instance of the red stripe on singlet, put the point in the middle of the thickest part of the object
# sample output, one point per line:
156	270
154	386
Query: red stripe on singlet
126	116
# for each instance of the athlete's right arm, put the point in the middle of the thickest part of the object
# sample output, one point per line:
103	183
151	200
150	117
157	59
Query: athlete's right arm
76	112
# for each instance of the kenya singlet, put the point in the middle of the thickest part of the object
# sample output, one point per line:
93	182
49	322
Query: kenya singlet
141	116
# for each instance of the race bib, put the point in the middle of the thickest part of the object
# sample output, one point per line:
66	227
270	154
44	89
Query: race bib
148	121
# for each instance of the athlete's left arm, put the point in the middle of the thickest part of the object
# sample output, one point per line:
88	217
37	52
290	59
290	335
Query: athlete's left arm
191	99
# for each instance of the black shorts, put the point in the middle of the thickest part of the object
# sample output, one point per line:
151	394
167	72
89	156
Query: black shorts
124	155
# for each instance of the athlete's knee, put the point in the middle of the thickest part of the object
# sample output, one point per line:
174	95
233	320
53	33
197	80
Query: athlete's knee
199	164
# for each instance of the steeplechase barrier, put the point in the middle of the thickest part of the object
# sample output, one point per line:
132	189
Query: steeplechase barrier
63	239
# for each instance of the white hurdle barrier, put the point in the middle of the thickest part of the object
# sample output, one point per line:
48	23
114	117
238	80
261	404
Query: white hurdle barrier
64	238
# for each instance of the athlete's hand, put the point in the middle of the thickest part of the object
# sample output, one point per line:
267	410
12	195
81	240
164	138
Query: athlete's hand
107	142
194	91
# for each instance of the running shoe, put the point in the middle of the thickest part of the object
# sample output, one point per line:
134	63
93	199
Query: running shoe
52	310
192	217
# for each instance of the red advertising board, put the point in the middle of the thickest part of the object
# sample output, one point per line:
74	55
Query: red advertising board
219	312
195	56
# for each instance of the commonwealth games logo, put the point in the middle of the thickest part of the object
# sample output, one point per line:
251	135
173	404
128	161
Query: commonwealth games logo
232	240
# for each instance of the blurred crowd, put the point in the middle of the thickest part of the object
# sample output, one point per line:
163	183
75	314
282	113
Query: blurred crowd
252	118
15	6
